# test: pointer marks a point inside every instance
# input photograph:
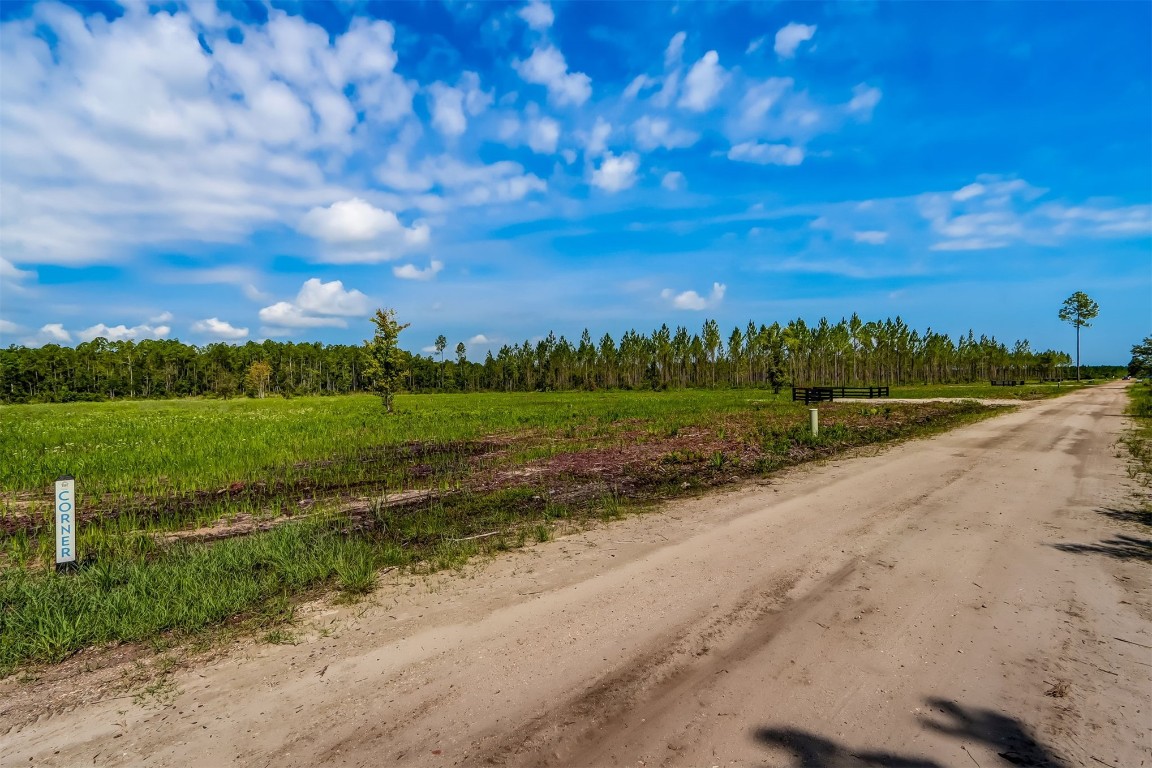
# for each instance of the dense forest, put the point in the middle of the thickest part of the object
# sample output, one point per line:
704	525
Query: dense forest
848	352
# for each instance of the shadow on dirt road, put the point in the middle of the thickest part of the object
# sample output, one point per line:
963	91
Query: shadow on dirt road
1010	739
1121	546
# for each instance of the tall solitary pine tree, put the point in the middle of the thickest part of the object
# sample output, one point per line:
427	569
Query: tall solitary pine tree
1079	310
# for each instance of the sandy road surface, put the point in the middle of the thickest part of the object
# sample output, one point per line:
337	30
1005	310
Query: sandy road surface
954	601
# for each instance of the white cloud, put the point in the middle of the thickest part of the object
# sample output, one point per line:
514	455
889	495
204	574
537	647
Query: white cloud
754	46
761	98
766	154
658	132
693	301
317	305
673	180
616	173
117	332
969	244
163	317
546	66
479	339
597	139
50	333
448	110
538	15
995	212
330	298
476	100
7	326
639	83
1098	221
9	271
131	132
349	221
864	101
12	277
703	84
788	38
967	192
543	135
449	104
362	232
872	237
219	329
412	272
500	182
252	293
286	315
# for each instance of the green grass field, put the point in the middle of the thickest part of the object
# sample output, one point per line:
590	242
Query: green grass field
198	514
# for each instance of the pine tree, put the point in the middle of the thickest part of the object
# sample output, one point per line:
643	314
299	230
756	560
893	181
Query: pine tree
385	367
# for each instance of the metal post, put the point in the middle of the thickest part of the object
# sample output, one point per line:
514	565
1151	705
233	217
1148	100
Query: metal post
814	420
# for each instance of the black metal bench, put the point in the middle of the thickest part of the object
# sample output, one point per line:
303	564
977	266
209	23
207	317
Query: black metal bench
827	394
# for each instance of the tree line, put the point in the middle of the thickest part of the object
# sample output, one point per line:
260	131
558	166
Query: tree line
848	352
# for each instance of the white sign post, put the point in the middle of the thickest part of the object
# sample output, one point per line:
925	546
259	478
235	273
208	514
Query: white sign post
66	528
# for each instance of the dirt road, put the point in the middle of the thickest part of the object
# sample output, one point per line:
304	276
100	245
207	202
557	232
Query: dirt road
980	598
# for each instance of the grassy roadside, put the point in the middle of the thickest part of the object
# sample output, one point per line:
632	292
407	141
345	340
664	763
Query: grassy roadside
1138	441
570	461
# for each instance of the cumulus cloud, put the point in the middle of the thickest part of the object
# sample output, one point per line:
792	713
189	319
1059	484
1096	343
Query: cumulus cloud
361	232
50	333
218	329
673	180
616	173
317	305
538	14
117	332
654	132
872	237
7	326
284	315
691	300
412	272
546	66
447	110
543	135
479	339
349	221
766	154
788	38
703	84
169	126
450	105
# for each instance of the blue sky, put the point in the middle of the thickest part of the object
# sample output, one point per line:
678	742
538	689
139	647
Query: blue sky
495	171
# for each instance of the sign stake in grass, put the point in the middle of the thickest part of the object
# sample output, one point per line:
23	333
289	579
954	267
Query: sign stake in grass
814	420
65	523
